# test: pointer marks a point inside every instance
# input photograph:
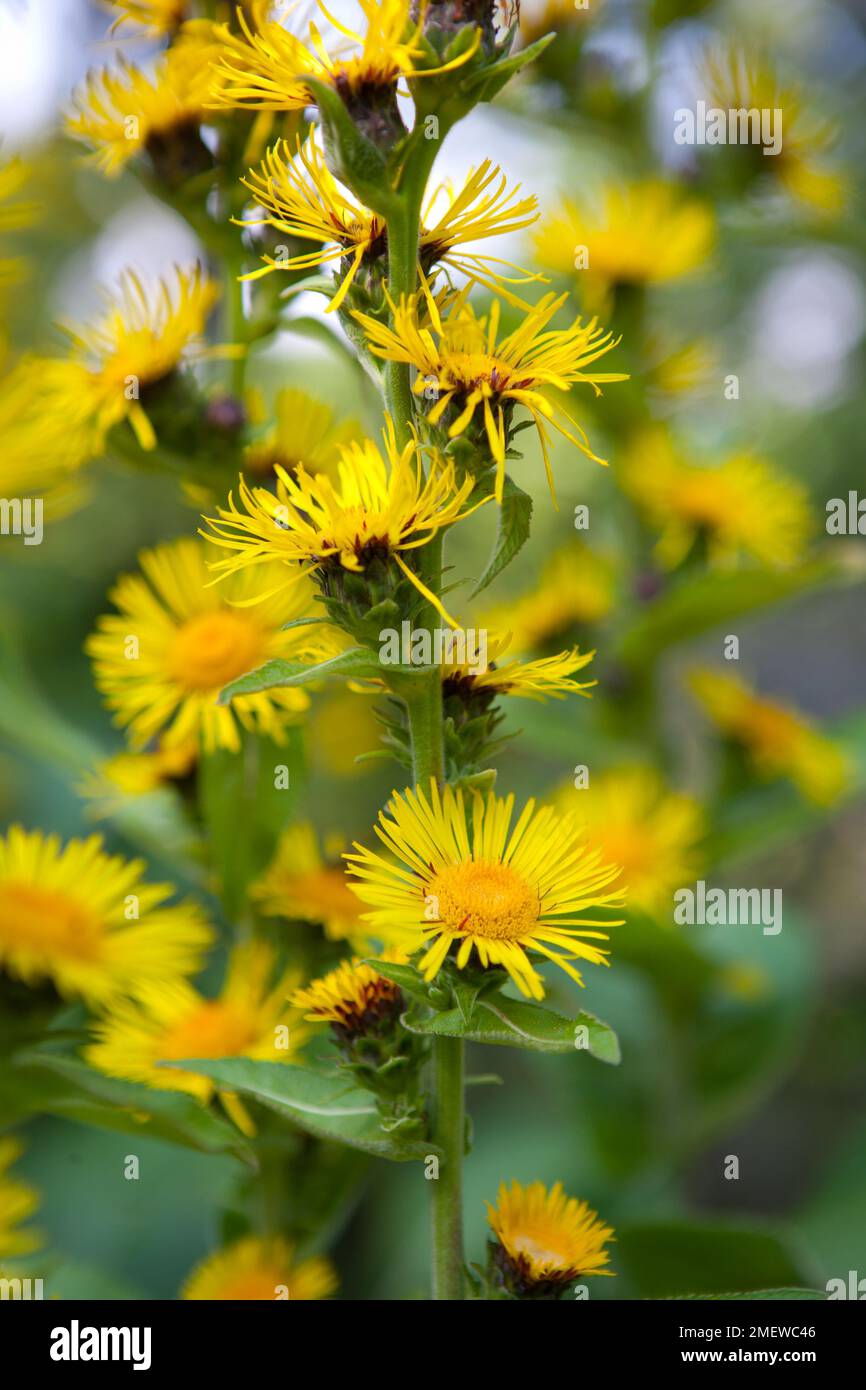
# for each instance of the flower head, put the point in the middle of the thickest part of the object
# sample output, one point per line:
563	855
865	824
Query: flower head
255	1269
545	1240
550	677
778	741
642	233
382	507
163	658
300	198
301	884
304	431
459	877
171	1021
123	111
354	998
479	374
739	508
18	1201
646	827
88	922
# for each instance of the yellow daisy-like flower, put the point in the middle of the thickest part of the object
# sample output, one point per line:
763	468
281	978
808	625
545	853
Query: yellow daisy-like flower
137	774
305	431
264	66
257	1270
354	998
551	677
778	741
460	877
88	922
640	233
382	506
144	336
739	508
157	18
641	824
476	372
735	79
163	659
18	1201
123	111
41	453
546	1240
301	198
172	1021
577	586
302	885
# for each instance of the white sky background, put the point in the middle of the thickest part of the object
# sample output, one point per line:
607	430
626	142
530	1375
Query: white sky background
804	338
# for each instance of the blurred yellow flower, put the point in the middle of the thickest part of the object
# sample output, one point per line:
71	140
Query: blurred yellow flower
460	877
778	741
300	198
171	1021
739	508
86	920
15	213
136	774
577	586
18	1202
550	677
259	1269
651	831
646	232
305	432
546	1240
477	372
302	885
153	17
163	659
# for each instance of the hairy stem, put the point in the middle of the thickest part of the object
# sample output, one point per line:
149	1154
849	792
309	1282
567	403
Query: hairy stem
447	1132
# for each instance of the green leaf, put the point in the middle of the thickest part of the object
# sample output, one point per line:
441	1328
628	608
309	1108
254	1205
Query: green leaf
322	1103
698	602
65	1086
358	663
675	1259
759	1295
515	515
513	1023
351	157
406	976
486	84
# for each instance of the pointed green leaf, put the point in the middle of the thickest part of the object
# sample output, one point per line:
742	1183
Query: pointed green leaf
322	1103
358	663
351	157
514	1023
486	84
515	515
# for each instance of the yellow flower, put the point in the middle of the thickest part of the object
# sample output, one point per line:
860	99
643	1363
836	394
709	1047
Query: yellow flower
171	1021
382	507
142	338
735	80
639	233
301	198
15	213
163	659
255	1269
86	920
18	1201
354	998
120	112
576	586
136	774
646	827
304	432
549	677
778	741
41	454
476	374
464	879
546	1240
153	17
301	885
740	508
264	67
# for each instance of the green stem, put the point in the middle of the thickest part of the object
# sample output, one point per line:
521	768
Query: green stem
236	324
447	1132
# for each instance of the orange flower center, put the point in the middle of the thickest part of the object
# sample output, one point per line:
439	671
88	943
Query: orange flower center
47	922
213	1029
480	899
214	648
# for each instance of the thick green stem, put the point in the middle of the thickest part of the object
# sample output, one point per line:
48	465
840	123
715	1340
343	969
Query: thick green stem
447	1132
